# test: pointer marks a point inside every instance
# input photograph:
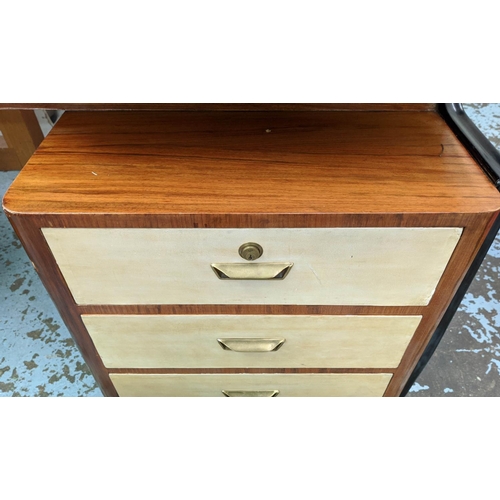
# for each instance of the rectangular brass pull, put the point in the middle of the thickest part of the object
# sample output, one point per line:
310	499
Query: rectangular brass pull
254	271
251	394
251	344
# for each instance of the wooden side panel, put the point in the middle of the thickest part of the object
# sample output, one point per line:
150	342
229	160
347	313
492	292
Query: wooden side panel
9	160
128	341
212	385
22	134
345	266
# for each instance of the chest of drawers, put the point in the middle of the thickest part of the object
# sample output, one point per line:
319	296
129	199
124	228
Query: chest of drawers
266	253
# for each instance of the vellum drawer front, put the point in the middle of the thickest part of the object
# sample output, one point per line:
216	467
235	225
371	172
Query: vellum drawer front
310	384
348	266
248	341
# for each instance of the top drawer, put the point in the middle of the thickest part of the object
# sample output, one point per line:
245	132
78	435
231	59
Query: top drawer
331	266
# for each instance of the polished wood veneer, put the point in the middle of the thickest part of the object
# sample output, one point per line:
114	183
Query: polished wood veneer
266	169
226	163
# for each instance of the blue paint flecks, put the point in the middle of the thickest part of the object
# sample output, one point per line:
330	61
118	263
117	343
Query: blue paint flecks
37	354
493	362
417	387
447	390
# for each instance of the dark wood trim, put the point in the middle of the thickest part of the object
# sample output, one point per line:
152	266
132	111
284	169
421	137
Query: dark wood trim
251	370
226	107
441	328
468	247
22	134
257	309
41	257
250	220
9	160
488	159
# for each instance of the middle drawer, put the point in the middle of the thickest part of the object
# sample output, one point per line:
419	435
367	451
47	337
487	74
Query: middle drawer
250	341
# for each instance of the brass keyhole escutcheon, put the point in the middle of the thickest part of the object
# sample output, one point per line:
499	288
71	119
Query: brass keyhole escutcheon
250	251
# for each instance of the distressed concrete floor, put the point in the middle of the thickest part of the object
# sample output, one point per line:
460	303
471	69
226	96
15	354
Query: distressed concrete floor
39	358
37	354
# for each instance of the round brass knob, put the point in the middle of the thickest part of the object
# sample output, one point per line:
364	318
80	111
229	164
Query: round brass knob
250	251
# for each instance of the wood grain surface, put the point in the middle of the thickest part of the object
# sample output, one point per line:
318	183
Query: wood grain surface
251	163
251	170
22	134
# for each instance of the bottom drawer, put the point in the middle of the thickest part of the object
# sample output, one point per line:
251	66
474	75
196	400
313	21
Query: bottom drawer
279	384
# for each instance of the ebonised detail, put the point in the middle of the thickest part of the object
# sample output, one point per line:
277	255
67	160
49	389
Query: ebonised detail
488	158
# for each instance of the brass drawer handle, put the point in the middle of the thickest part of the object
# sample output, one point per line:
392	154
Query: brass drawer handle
251	394
261	271
251	345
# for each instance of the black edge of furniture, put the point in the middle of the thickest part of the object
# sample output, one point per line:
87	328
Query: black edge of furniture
488	157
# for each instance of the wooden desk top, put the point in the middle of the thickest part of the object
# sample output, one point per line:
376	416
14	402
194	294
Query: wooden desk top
270	162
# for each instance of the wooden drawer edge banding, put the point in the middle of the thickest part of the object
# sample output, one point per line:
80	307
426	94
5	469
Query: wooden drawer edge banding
212	371
207	385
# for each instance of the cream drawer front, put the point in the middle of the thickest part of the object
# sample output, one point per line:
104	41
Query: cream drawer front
348	266
309	341
210	385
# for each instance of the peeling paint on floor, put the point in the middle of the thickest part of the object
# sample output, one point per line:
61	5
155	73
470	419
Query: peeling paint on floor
38	357
416	387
